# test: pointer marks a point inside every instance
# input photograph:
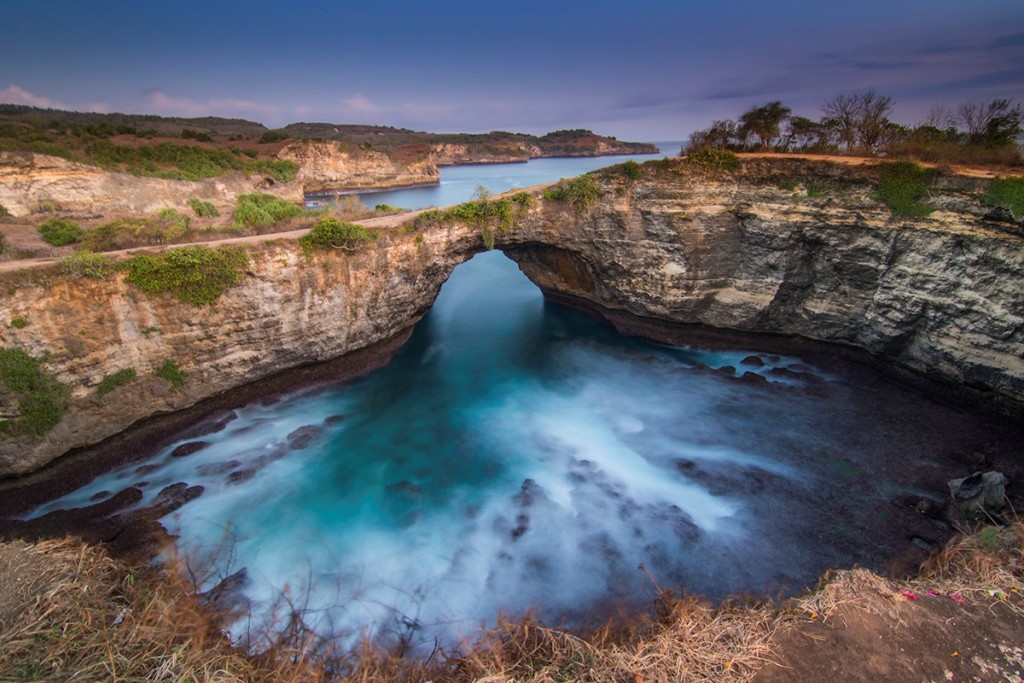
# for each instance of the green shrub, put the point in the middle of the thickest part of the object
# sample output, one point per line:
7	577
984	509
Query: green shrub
42	400
174	225
19	323
330	233
4	213
122	233
714	159
118	379
85	264
279	170
172	373
253	210
387	208
1008	193
903	185
273	136
194	275
631	170
5	250
522	200
203	209
60	232
581	192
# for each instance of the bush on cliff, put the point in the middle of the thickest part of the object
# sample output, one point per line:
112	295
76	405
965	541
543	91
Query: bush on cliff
123	233
41	399
203	209
85	264
59	232
194	275
581	192
330	233
254	210
1007	193
118	379
903	185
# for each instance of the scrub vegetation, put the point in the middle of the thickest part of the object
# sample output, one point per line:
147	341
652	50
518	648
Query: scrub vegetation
59	232
118	379
86	615
1007	193
172	373
581	192
485	213
40	398
194	275
331	233
903	186
858	123
203	209
255	210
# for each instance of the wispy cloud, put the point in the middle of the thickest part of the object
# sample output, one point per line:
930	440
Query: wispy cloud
160	102
15	94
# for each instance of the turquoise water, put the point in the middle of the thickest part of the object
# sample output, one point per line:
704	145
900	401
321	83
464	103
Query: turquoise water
459	182
514	454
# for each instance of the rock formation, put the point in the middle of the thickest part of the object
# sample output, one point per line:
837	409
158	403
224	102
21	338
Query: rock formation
748	250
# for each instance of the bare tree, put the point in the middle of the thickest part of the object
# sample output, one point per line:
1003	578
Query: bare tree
860	119
994	123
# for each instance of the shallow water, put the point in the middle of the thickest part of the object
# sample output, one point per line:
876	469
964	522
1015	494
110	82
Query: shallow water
518	454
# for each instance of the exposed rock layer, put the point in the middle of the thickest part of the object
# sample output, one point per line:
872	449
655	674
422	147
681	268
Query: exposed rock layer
940	295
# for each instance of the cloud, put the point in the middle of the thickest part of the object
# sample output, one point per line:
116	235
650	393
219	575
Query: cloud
1009	40
160	102
14	94
359	103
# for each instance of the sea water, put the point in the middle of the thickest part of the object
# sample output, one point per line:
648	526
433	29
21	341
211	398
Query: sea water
518	455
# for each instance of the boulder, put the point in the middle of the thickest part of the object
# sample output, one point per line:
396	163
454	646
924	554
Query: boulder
978	498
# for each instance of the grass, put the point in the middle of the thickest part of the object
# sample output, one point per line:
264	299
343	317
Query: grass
172	373
166	227
489	215
4	213
581	192
19	323
903	185
118	379
331	233
1008	193
42	400
85	616
59	232
195	275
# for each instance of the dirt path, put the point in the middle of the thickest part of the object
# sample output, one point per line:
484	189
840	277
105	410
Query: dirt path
971	171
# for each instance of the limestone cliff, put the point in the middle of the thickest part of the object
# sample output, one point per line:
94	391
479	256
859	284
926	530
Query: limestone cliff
792	247
34	182
337	166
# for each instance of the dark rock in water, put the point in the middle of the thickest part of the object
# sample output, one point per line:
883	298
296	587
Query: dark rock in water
303	436
217	467
189	448
226	597
977	498
332	420
528	493
522	525
146	469
406	488
275	453
753	361
174	496
100	495
752	378
141	484
210	426
241	476
727	370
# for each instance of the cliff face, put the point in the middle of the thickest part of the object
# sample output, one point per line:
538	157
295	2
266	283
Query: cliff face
33	182
332	166
940	294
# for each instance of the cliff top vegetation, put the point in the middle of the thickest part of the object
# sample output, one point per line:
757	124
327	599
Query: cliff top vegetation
858	123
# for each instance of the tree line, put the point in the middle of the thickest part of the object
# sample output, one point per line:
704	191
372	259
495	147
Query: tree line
858	123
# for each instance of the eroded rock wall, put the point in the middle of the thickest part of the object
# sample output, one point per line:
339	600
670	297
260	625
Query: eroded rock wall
336	166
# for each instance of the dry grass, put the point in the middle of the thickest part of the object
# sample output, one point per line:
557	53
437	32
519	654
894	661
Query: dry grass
68	612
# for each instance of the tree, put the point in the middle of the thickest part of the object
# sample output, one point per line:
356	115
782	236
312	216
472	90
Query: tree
804	135
993	124
721	135
859	119
765	123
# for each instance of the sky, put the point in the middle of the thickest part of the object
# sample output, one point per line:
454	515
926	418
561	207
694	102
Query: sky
639	70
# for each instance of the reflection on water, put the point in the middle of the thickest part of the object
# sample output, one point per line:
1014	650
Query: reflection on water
519	454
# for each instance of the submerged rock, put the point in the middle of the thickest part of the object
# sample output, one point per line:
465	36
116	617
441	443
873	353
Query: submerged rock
187	449
303	436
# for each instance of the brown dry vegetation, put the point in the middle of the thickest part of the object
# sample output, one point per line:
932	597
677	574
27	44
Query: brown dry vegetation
68	612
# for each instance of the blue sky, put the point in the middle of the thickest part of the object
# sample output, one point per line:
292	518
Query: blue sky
645	70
